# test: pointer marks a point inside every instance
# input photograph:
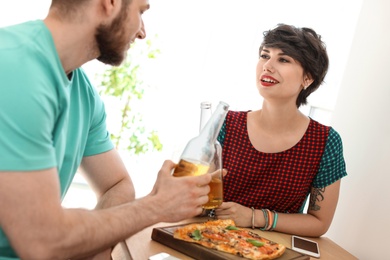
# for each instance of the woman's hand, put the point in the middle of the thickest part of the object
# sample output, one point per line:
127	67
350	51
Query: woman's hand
241	215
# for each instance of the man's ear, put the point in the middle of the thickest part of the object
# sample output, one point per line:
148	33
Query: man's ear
110	8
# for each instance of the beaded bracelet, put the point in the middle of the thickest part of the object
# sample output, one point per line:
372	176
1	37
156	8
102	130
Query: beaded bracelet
253	217
265	213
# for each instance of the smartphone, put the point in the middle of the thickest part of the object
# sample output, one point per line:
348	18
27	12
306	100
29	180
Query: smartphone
163	256
305	246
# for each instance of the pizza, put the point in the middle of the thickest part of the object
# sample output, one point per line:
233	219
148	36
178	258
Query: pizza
223	235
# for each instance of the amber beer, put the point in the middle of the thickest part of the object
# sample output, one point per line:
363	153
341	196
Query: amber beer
186	168
216	193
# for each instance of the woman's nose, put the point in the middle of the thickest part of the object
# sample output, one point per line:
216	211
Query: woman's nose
268	66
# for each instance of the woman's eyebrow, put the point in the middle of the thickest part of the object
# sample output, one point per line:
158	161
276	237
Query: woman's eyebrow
279	54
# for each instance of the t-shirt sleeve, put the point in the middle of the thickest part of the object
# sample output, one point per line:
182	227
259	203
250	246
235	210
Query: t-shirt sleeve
222	133
332	165
98	140
27	116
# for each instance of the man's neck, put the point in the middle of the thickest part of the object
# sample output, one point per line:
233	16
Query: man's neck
75	43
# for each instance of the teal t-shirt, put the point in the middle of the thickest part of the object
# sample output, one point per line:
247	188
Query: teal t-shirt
46	119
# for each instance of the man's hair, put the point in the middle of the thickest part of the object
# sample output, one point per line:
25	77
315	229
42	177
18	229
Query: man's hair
305	46
68	8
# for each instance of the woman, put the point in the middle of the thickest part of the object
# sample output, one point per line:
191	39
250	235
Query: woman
277	157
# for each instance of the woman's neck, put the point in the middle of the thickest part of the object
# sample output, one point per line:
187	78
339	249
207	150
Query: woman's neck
279	118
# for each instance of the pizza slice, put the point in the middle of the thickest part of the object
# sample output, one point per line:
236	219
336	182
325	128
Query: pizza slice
223	235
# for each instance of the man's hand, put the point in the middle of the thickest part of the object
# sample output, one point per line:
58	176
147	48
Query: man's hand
180	197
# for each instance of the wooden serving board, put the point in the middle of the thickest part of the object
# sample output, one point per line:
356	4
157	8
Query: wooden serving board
164	235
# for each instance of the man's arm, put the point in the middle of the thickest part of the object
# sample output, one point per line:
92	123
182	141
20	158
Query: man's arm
108	178
110	181
38	227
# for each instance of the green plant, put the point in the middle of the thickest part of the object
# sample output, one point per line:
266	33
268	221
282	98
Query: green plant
124	86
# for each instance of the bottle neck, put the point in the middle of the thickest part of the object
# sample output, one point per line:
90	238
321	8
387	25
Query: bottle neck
211	129
201	149
205	114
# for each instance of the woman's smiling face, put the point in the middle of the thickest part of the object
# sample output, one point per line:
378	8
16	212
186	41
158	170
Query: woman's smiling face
278	75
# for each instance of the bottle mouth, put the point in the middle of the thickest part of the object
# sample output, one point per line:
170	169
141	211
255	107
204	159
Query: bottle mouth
205	104
226	105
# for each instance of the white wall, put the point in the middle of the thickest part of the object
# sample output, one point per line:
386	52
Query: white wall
362	116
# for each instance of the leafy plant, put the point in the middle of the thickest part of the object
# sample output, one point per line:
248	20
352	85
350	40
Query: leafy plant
125	86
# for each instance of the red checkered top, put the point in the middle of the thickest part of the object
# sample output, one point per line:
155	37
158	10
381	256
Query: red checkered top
276	181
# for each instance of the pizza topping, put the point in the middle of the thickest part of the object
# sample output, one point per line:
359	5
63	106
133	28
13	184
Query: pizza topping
255	242
231	228
195	234
223	235
214	236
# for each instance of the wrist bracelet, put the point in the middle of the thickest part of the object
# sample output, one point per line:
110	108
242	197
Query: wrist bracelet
270	219
275	220
265	219
253	217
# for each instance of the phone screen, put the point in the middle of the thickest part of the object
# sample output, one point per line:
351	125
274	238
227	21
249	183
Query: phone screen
305	245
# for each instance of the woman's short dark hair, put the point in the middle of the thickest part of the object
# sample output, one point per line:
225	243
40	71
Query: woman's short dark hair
305	46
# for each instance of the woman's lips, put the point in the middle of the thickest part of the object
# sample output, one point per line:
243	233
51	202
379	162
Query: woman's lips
268	81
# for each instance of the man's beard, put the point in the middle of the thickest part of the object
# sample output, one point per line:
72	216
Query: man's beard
111	40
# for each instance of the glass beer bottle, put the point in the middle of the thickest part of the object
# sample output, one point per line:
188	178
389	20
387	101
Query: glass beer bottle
216	184
199	154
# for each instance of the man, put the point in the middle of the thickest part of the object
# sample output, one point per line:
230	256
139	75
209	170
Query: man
52	121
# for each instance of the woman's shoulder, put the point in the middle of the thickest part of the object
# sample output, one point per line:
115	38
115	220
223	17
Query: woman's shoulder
332	133
315	125
235	120
237	114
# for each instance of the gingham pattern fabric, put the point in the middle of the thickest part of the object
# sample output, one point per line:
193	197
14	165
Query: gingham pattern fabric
332	166
276	181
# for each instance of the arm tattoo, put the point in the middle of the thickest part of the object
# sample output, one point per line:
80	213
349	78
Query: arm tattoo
316	196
